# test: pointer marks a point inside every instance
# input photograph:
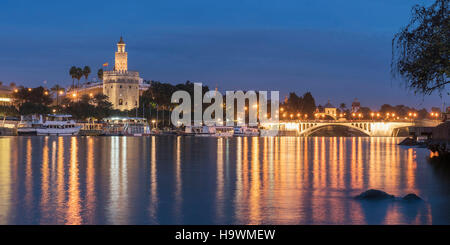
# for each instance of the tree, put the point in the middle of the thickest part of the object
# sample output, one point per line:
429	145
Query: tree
86	72
103	107
73	74
294	103
79	75
420	51
309	104
342	106
100	74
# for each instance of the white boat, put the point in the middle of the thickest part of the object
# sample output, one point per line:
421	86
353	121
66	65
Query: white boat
126	126
28	126
218	131
246	131
223	131
58	125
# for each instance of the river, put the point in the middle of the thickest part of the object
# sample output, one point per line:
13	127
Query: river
208	180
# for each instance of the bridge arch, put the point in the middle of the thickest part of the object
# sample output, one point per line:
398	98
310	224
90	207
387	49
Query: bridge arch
360	127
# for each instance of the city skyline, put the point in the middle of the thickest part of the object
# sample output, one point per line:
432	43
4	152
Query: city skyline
324	51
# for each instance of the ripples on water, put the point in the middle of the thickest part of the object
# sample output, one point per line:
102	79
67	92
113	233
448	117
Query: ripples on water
202	180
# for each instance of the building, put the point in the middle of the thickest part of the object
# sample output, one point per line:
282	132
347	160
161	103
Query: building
120	85
355	106
330	109
6	94
123	87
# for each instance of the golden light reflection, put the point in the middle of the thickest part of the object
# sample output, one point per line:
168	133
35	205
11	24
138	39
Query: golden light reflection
45	179
60	184
90	180
29	176
313	185
153	182
5	180
73	204
254	207
178	182
220	181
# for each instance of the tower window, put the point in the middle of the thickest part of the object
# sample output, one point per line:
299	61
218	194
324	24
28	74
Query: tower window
120	101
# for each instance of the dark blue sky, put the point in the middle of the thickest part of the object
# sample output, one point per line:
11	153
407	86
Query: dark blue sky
336	49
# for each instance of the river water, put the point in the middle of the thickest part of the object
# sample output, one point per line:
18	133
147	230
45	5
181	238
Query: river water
207	180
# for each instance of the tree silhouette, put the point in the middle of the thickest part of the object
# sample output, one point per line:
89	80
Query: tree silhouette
100	74
73	74
86	72
420	51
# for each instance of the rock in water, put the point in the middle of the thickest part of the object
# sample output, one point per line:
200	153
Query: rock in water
374	195
412	197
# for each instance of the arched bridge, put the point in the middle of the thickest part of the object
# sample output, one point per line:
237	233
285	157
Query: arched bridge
369	128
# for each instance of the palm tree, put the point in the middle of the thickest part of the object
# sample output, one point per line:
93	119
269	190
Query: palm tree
73	74
79	75
100	74
86	72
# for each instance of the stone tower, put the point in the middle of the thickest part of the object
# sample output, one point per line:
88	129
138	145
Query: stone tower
121	63
120	85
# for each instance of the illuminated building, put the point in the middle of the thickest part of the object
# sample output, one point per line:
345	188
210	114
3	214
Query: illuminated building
122	86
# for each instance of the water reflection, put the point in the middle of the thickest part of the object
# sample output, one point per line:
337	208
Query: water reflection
192	180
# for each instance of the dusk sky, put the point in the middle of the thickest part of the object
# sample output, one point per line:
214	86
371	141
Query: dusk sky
338	50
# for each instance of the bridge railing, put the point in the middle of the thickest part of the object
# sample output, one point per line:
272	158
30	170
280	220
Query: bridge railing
343	121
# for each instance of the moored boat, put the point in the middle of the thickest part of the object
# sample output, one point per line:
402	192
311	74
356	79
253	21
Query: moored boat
246	131
29	125
59	125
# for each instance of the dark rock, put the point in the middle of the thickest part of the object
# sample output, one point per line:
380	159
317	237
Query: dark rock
412	197
374	195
